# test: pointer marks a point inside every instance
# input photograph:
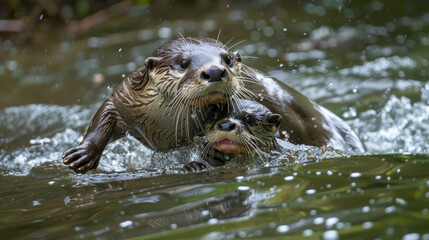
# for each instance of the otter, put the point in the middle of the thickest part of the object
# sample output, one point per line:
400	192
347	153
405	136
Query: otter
164	103
243	127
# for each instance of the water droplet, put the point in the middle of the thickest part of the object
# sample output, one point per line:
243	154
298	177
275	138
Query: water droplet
205	213
120	50
164	32
126	223
242	234
283	228
411	236
366	209
213	221
307	232
310	191
330	222
355	174
289	178
318	220
367	225
284	29
330	235
243	188
390	209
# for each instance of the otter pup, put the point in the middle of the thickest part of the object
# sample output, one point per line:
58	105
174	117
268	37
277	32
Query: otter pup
163	103
238	128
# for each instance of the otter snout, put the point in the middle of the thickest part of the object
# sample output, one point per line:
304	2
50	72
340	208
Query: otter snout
214	74
226	126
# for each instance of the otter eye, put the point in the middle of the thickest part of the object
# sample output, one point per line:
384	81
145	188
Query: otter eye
250	120
228	60
184	63
213	116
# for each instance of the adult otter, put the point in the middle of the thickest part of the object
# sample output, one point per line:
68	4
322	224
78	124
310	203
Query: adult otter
162	103
241	127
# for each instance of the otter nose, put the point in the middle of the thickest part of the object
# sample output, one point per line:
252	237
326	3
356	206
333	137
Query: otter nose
227	126
214	73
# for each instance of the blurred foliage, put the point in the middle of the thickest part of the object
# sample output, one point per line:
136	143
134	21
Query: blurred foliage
56	9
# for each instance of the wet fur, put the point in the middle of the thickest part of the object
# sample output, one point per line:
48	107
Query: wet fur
164	107
254	139
160	104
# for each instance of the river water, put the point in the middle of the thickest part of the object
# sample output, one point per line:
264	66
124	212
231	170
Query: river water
367	61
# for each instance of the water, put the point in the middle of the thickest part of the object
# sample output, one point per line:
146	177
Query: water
366	61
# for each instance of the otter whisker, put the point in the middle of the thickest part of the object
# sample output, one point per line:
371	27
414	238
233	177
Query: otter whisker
257	150
234	100
196	118
187	117
245	94
226	44
237	43
249	80
185	123
252	57
179	115
218	35
176	100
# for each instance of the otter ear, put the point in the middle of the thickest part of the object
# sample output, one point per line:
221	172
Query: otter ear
275	119
151	62
237	56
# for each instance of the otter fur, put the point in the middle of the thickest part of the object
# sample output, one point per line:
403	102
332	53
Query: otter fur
164	103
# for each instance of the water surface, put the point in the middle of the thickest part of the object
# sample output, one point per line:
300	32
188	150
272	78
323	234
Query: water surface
366	61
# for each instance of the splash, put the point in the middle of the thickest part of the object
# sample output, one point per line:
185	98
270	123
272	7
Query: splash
399	126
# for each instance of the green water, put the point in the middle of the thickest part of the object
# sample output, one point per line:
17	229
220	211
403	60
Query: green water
367	61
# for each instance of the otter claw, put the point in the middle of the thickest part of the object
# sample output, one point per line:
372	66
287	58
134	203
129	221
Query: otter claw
193	167
81	158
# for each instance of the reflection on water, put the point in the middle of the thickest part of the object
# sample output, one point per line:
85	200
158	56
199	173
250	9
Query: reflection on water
366	61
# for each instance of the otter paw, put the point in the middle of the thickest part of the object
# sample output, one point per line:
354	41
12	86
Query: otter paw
82	158
217	158
193	167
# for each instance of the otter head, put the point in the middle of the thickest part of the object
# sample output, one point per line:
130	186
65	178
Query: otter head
241	127
195	71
